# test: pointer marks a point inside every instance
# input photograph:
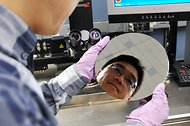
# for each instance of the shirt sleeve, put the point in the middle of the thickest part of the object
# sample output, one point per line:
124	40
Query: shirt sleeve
60	89
21	106
133	123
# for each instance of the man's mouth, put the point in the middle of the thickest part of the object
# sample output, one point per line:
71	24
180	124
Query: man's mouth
114	85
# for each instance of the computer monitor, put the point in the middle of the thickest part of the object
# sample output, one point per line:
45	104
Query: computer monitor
123	11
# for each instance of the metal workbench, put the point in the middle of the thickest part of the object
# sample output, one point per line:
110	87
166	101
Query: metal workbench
99	109
92	107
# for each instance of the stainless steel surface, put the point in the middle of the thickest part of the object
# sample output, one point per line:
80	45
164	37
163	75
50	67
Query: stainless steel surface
97	114
179	98
178	120
99	109
96	108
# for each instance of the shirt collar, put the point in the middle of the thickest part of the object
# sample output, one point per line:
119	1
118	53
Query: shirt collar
16	38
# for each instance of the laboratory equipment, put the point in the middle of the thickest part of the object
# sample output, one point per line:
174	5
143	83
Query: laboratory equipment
75	38
82	18
95	36
122	11
60	49
181	74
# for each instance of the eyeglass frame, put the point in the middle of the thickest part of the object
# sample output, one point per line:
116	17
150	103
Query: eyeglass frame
121	72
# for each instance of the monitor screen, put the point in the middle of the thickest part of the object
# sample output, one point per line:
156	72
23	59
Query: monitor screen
124	3
148	10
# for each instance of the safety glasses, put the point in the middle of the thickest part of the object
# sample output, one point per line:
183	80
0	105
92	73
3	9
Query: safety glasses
119	70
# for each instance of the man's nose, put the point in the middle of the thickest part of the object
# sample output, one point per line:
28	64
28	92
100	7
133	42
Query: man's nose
120	79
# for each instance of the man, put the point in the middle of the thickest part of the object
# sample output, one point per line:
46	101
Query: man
121	77
22	100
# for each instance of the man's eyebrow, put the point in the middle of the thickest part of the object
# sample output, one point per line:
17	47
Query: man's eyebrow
133	77
121	66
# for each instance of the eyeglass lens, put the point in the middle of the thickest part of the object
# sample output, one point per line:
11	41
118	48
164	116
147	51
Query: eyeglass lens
119	70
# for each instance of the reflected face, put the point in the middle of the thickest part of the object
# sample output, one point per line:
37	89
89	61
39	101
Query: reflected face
118	79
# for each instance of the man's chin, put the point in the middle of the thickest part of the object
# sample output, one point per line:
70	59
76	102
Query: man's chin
112	91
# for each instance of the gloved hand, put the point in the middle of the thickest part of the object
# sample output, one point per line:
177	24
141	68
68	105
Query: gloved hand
86	64
154	112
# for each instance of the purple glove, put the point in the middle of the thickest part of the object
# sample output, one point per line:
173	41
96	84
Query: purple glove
154	112
86	64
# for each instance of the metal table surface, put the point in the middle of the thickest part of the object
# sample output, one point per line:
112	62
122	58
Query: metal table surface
99	109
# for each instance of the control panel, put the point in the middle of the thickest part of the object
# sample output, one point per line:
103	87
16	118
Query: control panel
182	74
159	16
149	17
52	45
140	27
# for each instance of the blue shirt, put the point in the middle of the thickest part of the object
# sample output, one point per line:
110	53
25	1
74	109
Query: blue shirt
22	101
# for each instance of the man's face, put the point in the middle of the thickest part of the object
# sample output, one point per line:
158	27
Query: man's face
43	16
50	14
119	79
61	10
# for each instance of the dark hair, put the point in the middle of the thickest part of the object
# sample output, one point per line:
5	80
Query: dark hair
132	61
